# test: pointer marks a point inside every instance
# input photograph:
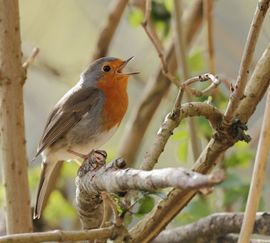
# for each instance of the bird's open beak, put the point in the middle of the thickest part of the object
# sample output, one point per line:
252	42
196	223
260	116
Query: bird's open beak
121	67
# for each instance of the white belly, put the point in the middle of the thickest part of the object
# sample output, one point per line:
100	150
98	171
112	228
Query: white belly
51	154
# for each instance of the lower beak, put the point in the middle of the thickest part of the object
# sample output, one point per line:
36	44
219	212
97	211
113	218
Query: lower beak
124	64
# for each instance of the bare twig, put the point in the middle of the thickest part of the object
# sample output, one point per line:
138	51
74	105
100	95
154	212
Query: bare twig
208	15
155	89
210	228
181	58
247	57
59	235
106	35
257	176
31	59
149	30
171	122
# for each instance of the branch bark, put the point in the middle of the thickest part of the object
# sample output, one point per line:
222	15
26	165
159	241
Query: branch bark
92	180
247	57
166	209
212	227
14	163
155	89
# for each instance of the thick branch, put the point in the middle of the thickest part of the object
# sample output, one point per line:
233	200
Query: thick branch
111	180
59	235
13	154
95	177
256	87
247	57
210	228
163	213
109	28
155	89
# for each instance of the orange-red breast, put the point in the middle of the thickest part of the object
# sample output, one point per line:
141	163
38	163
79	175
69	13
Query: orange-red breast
82	120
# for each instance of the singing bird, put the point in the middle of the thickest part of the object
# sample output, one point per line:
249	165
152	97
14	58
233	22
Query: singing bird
83	119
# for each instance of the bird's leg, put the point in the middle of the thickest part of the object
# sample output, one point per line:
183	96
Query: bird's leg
82	156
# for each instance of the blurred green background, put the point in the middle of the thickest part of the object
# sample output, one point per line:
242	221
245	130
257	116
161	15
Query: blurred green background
66	32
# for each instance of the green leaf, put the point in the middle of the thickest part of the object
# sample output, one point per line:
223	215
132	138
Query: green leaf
196	61
58	208
146	205
182	151
241	157
196	209
136	17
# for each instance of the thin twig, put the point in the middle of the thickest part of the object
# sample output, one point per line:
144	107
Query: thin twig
181	58
257	176
31	58
208	15
247	57
149	30
211	113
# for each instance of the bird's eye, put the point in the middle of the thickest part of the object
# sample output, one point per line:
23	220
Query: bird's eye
106	68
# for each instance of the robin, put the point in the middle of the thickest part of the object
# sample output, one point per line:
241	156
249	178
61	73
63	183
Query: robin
83	119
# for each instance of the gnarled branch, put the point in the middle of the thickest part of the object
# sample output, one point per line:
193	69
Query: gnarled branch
95	177
212	227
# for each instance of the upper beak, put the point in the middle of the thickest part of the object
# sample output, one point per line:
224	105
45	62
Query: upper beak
121	67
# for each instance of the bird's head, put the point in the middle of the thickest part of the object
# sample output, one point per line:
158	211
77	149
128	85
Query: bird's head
107	69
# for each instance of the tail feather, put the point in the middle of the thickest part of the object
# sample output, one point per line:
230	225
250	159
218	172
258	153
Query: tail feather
49	174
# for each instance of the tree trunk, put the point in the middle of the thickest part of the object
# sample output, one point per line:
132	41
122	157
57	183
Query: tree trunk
14	163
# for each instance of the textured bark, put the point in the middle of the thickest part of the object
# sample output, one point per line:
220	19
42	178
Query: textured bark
155	90
14	163
252	38
111	178
212	227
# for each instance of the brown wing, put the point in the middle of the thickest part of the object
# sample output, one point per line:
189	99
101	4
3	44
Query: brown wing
67	113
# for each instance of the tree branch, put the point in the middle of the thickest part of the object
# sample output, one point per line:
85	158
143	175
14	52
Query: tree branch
208	15
166	209
171	122
13	153
59	235
247	57
95	176
212	227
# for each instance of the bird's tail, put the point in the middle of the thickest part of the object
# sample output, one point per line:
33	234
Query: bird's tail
49	174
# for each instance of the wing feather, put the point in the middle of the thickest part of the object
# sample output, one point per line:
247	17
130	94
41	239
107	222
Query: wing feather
67	113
